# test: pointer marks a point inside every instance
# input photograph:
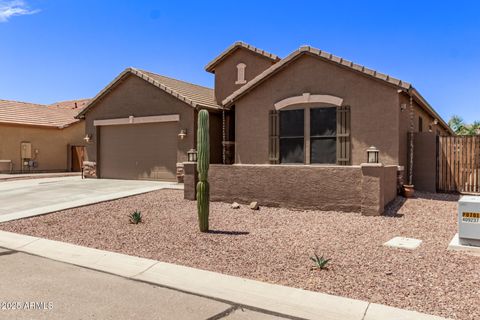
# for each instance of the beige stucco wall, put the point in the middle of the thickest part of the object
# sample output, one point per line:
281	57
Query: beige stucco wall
226	71
366	189
374	116
405	123
138	98
51	143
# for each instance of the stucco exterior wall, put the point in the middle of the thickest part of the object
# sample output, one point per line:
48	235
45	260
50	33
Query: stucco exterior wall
374	116
318	187
226	71
405	123
136	97
425	162
364	189
390	184
51	143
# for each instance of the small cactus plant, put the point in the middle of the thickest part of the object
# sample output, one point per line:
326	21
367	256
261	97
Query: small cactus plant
203	161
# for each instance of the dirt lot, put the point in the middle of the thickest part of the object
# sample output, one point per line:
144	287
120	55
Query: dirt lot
274	245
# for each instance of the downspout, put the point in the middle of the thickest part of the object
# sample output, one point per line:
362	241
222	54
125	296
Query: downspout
223	136
411	144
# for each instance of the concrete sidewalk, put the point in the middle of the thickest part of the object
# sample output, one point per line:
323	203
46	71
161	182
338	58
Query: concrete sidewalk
71	292
27	176
275	299
26	198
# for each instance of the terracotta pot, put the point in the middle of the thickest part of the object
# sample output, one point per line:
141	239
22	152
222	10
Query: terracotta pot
408	191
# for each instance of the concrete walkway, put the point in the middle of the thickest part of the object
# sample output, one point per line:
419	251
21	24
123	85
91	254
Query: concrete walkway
276	299
26	198
63	291
24	176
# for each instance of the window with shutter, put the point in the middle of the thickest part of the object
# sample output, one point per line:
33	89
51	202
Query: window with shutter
343	135
273	142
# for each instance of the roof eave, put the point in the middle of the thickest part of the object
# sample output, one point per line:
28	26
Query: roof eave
430	109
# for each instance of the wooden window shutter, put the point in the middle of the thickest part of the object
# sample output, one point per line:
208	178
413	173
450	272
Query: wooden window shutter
343	135
274	137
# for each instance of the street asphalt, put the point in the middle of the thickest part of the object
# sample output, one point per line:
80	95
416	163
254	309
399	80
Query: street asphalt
39	288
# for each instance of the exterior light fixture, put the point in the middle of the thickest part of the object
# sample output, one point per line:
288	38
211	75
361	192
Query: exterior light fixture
372	155
88	138
182	134
192	155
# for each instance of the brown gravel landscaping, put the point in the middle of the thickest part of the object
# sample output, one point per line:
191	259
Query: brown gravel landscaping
274	245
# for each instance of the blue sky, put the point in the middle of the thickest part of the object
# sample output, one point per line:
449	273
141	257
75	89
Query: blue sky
60	50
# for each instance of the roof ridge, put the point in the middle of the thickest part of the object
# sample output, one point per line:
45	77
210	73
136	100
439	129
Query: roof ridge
171	78
324	55
23	102
210	66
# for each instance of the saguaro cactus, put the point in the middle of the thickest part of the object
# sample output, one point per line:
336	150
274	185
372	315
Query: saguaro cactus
203	161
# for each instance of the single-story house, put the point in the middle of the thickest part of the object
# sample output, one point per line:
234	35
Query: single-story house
276	124
142	125
41	138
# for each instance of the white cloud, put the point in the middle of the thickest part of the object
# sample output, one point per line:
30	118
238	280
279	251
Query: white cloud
12	8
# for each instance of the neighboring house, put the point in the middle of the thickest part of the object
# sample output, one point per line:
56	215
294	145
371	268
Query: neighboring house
312	111
142	125
41	138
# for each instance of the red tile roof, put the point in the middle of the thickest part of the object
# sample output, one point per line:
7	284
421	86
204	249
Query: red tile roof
58	115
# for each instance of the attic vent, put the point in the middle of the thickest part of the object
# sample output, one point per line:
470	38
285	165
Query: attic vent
241	73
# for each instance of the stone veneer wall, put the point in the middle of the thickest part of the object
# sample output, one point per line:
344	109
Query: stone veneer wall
89	169
366	188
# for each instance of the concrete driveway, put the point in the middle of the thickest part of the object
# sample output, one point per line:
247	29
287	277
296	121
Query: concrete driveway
26	198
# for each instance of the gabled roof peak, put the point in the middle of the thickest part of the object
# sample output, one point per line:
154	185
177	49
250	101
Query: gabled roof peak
210	67
192	94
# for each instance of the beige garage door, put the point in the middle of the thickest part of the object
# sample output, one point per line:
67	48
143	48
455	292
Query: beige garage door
139	151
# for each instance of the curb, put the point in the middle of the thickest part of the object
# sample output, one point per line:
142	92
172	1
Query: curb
256	295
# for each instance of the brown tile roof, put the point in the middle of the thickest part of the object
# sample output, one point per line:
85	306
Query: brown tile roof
197	95
31	114
401	85
192	94
78	104
239	44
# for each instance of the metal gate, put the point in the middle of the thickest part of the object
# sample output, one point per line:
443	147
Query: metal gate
458	164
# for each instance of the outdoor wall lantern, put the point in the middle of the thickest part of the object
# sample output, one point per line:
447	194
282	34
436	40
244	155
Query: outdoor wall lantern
192	155
372	154
88	138
182	134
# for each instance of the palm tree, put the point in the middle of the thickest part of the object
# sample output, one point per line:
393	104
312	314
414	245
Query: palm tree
461	128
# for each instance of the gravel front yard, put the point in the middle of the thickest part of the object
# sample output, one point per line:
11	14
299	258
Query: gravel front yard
274	245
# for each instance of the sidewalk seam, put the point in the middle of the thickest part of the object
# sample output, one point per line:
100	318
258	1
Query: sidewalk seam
366	309
224	313
136	275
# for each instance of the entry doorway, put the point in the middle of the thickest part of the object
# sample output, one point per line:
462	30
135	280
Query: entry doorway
77	156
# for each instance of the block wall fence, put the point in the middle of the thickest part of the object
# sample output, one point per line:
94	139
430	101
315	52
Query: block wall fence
367	188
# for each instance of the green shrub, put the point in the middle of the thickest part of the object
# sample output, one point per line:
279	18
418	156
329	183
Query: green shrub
320	262
135	217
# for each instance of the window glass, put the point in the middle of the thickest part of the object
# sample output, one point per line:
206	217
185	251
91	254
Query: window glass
292	136
323	122
323	131
323	150
292	123
291	150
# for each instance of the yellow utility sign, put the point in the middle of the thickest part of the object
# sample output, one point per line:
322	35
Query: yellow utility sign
471	217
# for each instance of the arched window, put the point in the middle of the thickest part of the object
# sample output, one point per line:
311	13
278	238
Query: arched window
241	73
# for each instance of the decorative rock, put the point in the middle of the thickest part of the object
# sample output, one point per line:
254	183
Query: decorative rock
235	205
254	205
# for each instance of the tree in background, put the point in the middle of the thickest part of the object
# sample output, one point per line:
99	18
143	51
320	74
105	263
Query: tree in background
463	129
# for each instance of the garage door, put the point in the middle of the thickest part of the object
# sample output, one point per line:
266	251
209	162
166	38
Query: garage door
139	151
